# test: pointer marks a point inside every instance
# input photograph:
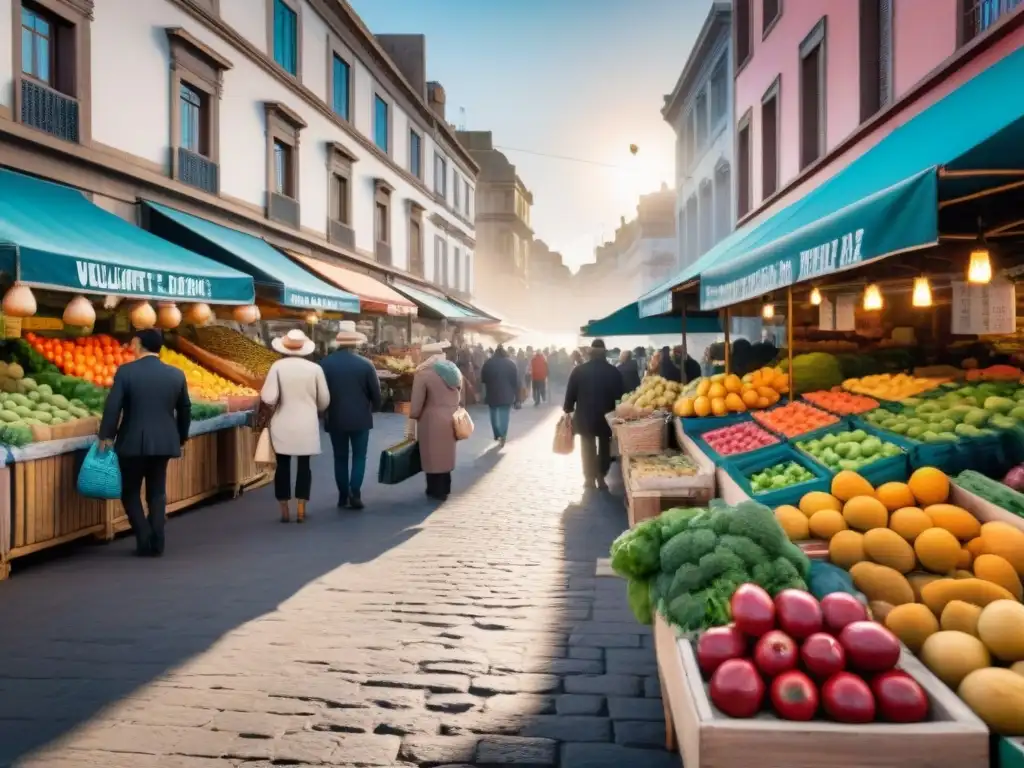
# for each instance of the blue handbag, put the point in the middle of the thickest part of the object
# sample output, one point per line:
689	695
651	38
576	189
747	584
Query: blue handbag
100	475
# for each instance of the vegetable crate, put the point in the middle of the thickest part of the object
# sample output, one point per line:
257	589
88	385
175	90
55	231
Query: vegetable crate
694	491
698	428
743	466
953	738
881	470
945	455
643	436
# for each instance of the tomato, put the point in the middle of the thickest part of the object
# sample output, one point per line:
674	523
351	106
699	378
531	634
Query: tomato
870	647
840	609
737	688
848	699
752	610
718	645
775	653
900	698
822	655
794	696
798	613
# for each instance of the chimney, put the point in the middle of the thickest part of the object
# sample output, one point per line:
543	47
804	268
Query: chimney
435	98
409	53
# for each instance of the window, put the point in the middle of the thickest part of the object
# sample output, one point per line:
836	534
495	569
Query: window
283	127
741	20
415	154
285	34
743	196
416	242
812	95
723	201
875	56
692	228
191	105
707	216
468	193
341	83
440	177
339	195
283	169
719	92
457	263
380	223
700	116
440	260
977	16
340	198
469	279
770	141
690	129
38	47
381	132
382	220
771	10
456	191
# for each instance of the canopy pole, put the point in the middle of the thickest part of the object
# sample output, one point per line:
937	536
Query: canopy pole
981	194
728	344
682	359
789	337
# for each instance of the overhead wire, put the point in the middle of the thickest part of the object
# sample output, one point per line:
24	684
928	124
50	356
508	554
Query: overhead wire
565	158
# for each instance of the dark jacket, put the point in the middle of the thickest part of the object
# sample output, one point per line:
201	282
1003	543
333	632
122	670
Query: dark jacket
355	391
630	375
150	399
593	390
669	370
500	378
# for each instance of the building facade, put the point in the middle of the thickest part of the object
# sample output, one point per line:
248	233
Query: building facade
819	83
700	111
287	119
503	228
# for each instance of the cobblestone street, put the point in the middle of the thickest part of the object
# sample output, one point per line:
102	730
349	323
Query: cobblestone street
473	633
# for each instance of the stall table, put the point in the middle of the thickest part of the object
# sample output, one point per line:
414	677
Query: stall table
643	504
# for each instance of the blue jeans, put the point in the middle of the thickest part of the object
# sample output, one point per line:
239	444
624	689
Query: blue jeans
499	420
340	441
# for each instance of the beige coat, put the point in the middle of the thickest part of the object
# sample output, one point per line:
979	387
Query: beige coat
298	388
433	405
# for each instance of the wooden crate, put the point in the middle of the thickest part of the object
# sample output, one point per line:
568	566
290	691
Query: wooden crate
644	504
237	449
955	737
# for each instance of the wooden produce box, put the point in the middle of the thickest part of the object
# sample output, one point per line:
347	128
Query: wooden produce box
236	451
983	509
90	425
695	491
954	738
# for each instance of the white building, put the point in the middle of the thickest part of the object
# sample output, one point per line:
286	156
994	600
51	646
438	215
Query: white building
287	119
699	109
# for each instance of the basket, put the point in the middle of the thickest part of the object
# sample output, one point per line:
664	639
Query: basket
644	436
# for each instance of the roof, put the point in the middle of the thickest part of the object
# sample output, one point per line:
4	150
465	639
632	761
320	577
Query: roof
374	296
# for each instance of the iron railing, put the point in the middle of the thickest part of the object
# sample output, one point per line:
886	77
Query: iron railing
980	15
198	171
49	110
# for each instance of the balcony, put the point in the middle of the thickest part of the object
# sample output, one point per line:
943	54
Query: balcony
49	110
198	171
980	15
341	234
382	251
283	209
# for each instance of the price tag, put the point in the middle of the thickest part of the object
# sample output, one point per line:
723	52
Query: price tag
41	323
11	327
846	310
826	315
984	309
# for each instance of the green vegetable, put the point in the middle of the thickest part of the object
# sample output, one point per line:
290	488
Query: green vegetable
826	578
636	553
990	490
638	593
686	547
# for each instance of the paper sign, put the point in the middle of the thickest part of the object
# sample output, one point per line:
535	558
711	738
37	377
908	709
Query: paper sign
11	327
846	310
41	323
826	315
984	309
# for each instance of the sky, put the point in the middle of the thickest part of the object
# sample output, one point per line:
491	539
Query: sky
581	79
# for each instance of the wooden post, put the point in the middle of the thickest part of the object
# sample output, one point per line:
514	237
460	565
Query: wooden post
682	359
789	337
728	344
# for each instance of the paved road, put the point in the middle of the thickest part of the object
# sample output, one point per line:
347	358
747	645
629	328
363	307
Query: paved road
409	634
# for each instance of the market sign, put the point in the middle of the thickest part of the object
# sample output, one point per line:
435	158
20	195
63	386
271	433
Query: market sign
337	303
984	309
900	218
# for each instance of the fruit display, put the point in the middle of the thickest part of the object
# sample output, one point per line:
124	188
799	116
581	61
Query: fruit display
848	450
653	395
795	419
779	476
739	438
840	402
814	372
995	373
687	563
1002	494
46	399
662	465
722	393
203	384
807	659
891	386
236	347
397	365
90	358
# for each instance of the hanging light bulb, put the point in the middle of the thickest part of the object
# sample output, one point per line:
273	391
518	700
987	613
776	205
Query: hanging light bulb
815	297
872	297
922	292
768	311
979	269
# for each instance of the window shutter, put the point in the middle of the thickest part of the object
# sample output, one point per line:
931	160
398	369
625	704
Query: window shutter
885	57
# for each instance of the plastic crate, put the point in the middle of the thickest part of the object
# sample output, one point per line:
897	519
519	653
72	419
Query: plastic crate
698	431
985	453
696	425
798	437
741	467
890	469
945	455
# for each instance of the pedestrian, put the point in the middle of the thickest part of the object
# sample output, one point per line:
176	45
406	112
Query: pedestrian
501	379
539	378
593	390
355	394
146	421
436	393
630	374
297	391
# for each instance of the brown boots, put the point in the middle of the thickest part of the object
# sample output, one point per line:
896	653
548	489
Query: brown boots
300	516
286	515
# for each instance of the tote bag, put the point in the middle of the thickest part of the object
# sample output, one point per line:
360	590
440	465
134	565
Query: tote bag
265	455
100	475
463	424
564	438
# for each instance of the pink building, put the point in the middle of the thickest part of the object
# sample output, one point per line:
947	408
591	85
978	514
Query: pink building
818	82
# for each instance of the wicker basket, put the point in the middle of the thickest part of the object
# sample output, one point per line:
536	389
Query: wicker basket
644	436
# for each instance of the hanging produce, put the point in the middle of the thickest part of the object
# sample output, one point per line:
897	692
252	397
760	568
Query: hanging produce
247	314
80	313
142	316
198	313
168	315
19	301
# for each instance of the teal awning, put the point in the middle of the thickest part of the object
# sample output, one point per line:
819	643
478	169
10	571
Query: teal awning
628	322
442	308
884	202
287	283
58	239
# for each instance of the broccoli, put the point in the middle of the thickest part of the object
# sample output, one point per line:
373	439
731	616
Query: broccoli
778	575
755	521
714	564
674	521
750	552
687	611
687	547
662	585
796	556
689	578
703	521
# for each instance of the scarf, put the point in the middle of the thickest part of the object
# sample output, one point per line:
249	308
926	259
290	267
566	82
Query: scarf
448	371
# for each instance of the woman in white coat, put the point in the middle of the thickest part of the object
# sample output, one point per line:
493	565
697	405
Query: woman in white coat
297	390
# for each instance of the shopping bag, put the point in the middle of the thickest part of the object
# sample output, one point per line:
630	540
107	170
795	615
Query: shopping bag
399	462
100	475
463	424
564	438
265	455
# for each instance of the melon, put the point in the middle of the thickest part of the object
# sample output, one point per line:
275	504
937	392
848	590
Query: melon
1001	629
997	697
952	656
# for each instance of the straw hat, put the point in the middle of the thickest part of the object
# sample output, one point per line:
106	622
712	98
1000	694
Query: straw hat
434	347
294	343
348	336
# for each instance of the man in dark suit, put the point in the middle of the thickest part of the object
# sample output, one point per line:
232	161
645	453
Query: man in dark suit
593	390
501	379
355	395
146	421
